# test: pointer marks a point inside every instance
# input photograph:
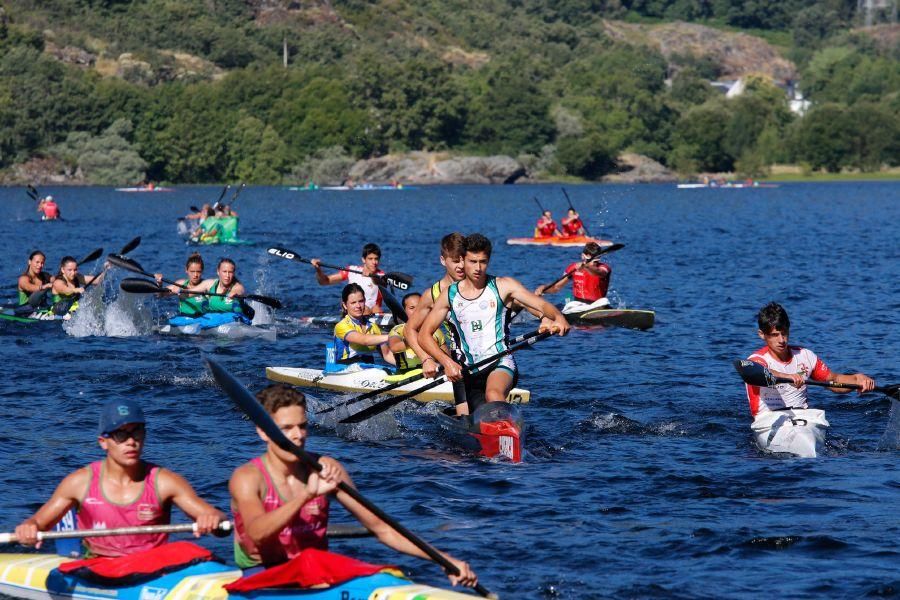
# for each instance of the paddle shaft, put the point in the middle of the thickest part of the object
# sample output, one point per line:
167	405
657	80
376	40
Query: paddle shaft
397	384
612	248
263	420
379	407
538	202
134	285
224	527
569	200
889	390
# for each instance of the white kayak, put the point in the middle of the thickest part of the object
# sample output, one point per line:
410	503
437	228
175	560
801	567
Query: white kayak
799	431
360	380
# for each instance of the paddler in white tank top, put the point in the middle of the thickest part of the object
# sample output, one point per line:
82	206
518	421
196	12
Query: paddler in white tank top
120	490
371	255
477	307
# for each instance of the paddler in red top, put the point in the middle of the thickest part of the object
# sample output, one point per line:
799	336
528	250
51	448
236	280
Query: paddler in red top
546	226
590	281
121	490
49	208
277	515
572	225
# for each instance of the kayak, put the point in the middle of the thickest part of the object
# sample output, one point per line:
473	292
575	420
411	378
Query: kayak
36	576
799	431
726	185
494	431
226	325
384	320
11	316
579	313
145	189
359	380
562	241
357	188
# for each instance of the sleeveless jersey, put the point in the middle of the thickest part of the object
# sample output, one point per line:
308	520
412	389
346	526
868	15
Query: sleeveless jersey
480	324
95	511
445	326
79	282
220	304
373	294
306	529
191	305
408	359
24	296
785	395
344	350
572	227
586	286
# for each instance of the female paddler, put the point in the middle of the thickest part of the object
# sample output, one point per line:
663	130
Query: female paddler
189	305
34	278
228	284
356	337
69	285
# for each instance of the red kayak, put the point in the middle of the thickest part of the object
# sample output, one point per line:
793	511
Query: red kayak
563	241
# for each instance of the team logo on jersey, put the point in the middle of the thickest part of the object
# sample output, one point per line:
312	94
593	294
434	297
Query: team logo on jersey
483	304
146	512
477	326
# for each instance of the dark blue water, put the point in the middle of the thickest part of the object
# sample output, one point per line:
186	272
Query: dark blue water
643	480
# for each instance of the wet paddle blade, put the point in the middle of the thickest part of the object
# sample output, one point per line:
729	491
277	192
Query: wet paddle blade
400	281
135	285
91	257
755	374
272	302
125	263
131	245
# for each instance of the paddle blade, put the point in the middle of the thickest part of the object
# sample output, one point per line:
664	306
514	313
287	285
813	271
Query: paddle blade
125	263
273	302
221	195
609	249
400	281
755	374
194	209
32	191
285	253
135	285
91	257
131	245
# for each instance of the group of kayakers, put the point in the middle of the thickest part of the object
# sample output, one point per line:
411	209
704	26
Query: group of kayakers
53	293
215	223
193	291
572	225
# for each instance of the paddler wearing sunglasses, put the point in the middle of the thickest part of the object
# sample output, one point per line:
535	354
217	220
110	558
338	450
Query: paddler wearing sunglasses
121	490
590	281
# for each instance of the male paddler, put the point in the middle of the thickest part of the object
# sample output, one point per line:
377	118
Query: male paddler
406	357
281	507
121	490
477	308
590	281
49	209
371	255
793	362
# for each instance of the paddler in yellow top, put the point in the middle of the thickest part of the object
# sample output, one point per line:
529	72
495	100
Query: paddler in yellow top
356	337
121	490
452	250
477	308
34	279
281	507
408	362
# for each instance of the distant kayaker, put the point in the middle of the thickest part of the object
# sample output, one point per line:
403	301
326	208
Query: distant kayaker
405	357
546	226
121	490
356	336
477	308
49	208
34	278
69	284
189	305
281	507
226	283
793	362
452	250
572	225
200	214
371	255
590	281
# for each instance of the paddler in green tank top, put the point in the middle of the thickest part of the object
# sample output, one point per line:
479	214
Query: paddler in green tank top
226	283
189	305
69	284
34	278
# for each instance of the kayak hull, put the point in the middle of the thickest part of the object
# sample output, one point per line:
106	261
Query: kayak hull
35	576
140	190
224	325
565	242
365	380
502	437
800	432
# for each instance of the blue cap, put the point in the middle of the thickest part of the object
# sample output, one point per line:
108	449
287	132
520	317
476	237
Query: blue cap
118	413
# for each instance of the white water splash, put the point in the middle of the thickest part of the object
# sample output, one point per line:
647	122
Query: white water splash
891	438
126	316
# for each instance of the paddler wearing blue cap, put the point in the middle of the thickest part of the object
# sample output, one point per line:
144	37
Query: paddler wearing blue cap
281	506
121	490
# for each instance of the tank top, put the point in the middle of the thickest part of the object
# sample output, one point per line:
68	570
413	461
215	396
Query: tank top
480	324
785	395
587	287
44	278
190	306
79	282
445	326
95	511
221	304
306	529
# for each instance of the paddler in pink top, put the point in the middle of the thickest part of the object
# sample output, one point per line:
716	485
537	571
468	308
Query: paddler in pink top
280	507
122	490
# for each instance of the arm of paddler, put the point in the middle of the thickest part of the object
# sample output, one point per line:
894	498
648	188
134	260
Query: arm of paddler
865	382
388	536
173	487
413	326
510	288
426	340
322	277
66	496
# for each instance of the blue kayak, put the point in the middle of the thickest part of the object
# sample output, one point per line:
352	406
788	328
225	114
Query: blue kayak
226	325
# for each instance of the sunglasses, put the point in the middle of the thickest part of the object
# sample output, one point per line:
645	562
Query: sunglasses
120	436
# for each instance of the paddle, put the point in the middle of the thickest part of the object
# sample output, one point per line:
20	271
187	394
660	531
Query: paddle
379	407
222	194
247	403
65	305
32	193
538	202
237	193
569	200
755	374
393	386
223	530
134	285
600	252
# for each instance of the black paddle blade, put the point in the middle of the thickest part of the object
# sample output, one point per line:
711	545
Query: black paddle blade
91	257
222	195
135	285
131	245
32	191
400	281
194	209
891	391
273	302
125	263
609	249
754	373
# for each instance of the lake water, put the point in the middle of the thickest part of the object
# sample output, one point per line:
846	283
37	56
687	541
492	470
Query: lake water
642	479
